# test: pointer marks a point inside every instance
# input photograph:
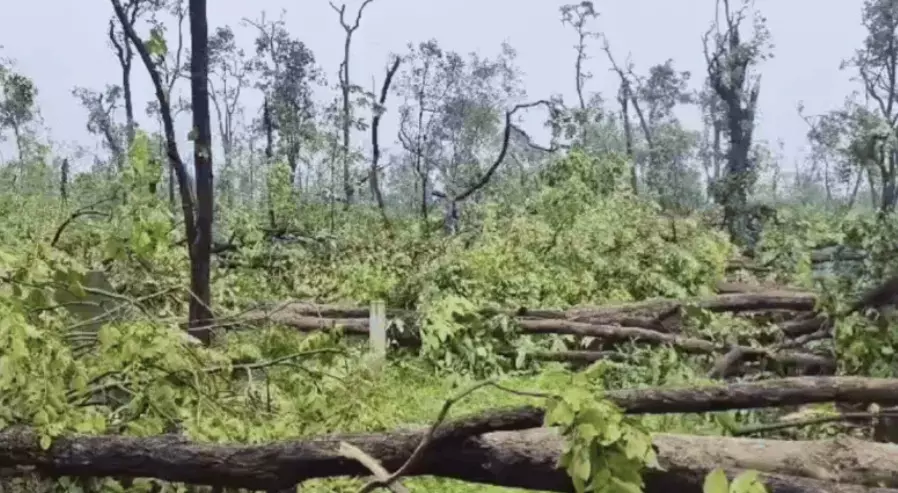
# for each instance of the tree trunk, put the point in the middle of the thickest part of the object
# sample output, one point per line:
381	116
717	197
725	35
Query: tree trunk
519	459
200	250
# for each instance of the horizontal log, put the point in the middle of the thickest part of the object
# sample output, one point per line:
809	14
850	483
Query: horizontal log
780	392
733	287
522	459
644	311
613	333
606	333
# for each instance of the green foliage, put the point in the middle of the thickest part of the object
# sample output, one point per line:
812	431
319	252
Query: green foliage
606	451
156	44
92	341
789	250
282	197
746	482
93	288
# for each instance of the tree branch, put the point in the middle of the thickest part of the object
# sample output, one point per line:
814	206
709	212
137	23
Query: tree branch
485	178
174	157
375	145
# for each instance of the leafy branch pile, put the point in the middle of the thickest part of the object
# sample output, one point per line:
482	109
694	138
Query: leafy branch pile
622	305
96	345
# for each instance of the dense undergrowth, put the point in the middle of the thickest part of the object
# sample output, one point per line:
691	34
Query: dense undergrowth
579	238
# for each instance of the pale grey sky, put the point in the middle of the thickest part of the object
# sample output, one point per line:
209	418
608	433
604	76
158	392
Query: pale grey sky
62	44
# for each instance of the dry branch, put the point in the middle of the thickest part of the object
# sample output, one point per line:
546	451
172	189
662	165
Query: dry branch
665	312
778	392
732	287
613	314
295	315
524	459
614	333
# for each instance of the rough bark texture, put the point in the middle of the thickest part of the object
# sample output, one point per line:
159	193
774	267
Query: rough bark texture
200	248
642	310
613	333
523	459
513	460
720	397
734	302
310	317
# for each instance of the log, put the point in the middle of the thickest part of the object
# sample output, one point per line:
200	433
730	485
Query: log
780	392
638	314
613	333
522	459
606	333
733	287
733	303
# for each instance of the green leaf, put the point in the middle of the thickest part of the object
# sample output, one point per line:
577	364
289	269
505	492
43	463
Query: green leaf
587	431
45	442
109	335
156	45
559	413
716	482
579	484
626	486
727	421
581	464
747	482
41	418
77	289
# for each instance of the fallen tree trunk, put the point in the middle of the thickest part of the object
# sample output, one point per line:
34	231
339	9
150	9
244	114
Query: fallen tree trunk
732	302
523	459
780	392
603	332
614	333
651	314
734	287
272	466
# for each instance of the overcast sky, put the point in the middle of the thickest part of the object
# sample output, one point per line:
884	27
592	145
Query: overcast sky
62	44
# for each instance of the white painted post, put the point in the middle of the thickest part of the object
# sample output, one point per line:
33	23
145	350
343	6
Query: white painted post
377	328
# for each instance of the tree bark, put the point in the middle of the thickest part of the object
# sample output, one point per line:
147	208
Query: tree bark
201	246
522	459
800	301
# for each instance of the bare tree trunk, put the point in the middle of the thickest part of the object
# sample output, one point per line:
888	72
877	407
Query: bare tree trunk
854	190
269	156
346	89
201	301
628	138
129	100
64	180
871	183
375	146
888	185
174	157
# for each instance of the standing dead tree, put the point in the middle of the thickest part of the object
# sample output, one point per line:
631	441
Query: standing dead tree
626	97
730	60
231	68
124	53
346	89
577	16
198	242
101	107
876	63
201	246
375	144
451	218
